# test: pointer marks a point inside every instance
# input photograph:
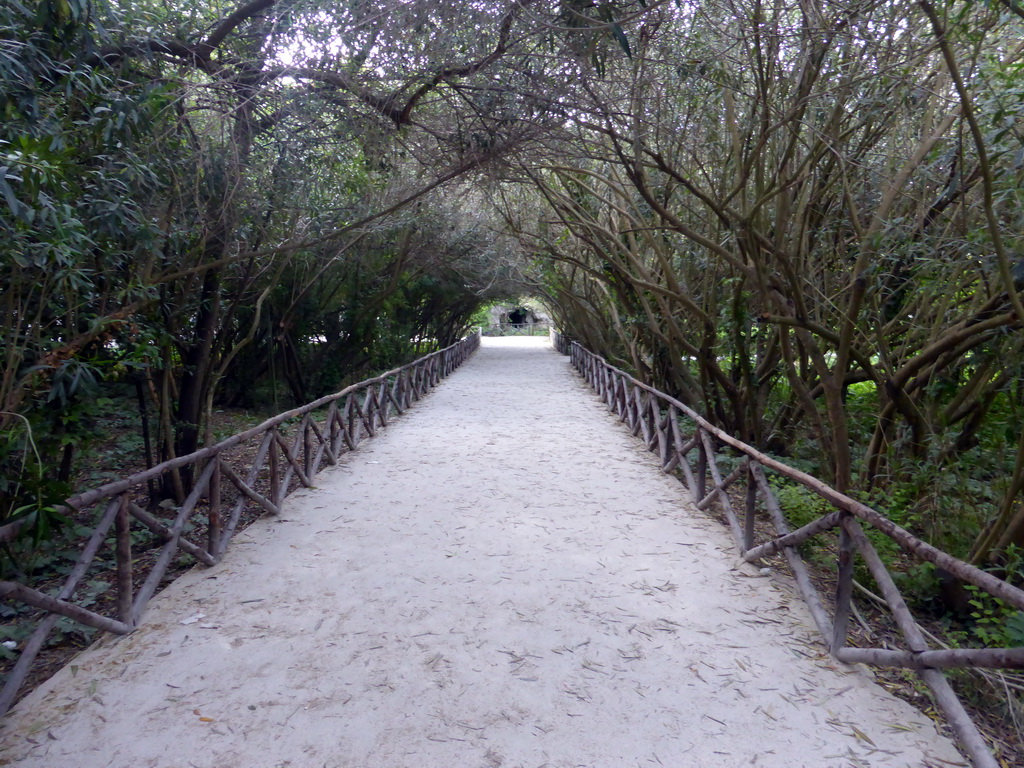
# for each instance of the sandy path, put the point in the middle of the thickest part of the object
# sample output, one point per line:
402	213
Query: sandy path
502	578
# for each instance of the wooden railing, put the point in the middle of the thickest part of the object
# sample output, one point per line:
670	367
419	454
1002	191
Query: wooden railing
225	491
656	418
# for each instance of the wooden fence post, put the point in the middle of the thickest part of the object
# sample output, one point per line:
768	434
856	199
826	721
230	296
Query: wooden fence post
844	587
275	470
307	449
123	537
213	521
748	527
702	466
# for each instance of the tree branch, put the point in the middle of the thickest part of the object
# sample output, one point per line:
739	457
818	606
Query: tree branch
227	26
466	70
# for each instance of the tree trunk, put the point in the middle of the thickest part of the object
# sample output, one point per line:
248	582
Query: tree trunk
197	361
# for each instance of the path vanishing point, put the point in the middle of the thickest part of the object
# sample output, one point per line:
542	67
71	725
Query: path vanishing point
503	577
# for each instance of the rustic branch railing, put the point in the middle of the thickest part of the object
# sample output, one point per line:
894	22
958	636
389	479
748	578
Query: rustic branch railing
351	415
655	417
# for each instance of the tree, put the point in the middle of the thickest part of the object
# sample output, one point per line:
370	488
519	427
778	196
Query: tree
158	186
767	206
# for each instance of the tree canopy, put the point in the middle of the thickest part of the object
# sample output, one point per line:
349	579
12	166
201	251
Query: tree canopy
802	219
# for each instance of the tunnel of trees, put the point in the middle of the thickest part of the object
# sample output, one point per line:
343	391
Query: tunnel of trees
803	219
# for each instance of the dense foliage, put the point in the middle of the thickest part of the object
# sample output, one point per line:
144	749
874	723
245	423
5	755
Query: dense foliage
223	205
803	219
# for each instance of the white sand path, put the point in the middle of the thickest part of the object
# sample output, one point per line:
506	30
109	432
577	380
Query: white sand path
503	577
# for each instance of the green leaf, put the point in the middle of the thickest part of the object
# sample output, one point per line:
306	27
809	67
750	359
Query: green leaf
621	38
1015	629
7	192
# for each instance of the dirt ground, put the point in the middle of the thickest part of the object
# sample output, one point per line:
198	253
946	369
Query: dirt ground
502	578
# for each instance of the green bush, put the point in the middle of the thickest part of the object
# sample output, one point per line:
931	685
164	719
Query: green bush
995	623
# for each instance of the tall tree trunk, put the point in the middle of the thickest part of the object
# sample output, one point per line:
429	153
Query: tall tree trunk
197	360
